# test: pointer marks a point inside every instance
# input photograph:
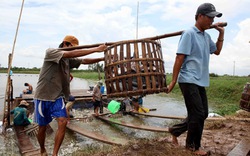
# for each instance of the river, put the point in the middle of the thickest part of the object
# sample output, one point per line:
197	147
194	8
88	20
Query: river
164	104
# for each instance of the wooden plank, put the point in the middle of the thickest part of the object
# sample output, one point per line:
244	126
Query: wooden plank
158	116
96	136
242	149
123	123
24	143
183	117
77	93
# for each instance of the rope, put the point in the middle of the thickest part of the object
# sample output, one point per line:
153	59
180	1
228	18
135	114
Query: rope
7	92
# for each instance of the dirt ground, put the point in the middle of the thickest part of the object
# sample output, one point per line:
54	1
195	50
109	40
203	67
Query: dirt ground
219	138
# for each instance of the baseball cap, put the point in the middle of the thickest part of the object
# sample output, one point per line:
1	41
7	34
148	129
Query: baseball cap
71	39
208	9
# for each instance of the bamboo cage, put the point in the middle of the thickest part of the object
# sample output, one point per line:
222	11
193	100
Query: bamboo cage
134	67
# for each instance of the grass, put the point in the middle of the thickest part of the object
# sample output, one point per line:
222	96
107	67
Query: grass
225	92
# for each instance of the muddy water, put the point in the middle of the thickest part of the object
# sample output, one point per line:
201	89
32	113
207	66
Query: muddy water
74	142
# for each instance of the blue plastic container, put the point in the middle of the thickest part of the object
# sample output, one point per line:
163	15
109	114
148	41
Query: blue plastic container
102	89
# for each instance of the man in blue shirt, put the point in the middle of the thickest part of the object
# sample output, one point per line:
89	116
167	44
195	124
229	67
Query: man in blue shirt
191	69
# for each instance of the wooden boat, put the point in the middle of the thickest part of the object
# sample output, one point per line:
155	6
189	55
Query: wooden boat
83	98
96	136
242	148
24	143
126	124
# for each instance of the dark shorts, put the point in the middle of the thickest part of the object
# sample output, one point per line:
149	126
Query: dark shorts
97	103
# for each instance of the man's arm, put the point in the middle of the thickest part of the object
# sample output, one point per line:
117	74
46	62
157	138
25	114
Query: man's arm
92	60
93	93
176	69
83	52
220	39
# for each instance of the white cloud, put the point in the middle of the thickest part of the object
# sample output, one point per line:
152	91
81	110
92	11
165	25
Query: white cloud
235	56
45	23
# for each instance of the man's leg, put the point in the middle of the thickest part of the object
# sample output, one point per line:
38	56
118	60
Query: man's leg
41	138
196	115
177	130
60	133
96	110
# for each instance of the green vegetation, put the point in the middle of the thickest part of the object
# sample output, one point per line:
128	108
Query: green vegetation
224	92
84	74
87	74
21	70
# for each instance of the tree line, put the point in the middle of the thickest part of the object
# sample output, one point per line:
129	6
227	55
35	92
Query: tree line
92	67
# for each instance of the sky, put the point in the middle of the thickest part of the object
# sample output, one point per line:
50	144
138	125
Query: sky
45	23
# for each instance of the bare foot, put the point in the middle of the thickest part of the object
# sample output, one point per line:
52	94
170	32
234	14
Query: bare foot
175	140
44	153
96	114
200	152
165	139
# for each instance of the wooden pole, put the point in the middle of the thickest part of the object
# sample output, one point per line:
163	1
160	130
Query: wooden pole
148	38
111	43
7	92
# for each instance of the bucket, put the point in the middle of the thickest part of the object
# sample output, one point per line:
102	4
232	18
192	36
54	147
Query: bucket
30	120
245	98
114	106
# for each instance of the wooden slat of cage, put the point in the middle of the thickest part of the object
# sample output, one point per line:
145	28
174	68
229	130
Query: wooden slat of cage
157	64
109	57
122	67
153	83
145	65
116	70
137	64
129	79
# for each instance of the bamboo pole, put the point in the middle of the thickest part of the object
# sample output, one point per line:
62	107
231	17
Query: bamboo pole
7	92
148	38
183	117
111	43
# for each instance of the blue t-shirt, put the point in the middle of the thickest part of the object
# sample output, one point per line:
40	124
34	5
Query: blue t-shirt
197	46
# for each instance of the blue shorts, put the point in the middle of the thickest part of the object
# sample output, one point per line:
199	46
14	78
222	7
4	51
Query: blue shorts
45	111
29	92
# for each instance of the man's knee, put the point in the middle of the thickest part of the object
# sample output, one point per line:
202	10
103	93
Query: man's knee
62	121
